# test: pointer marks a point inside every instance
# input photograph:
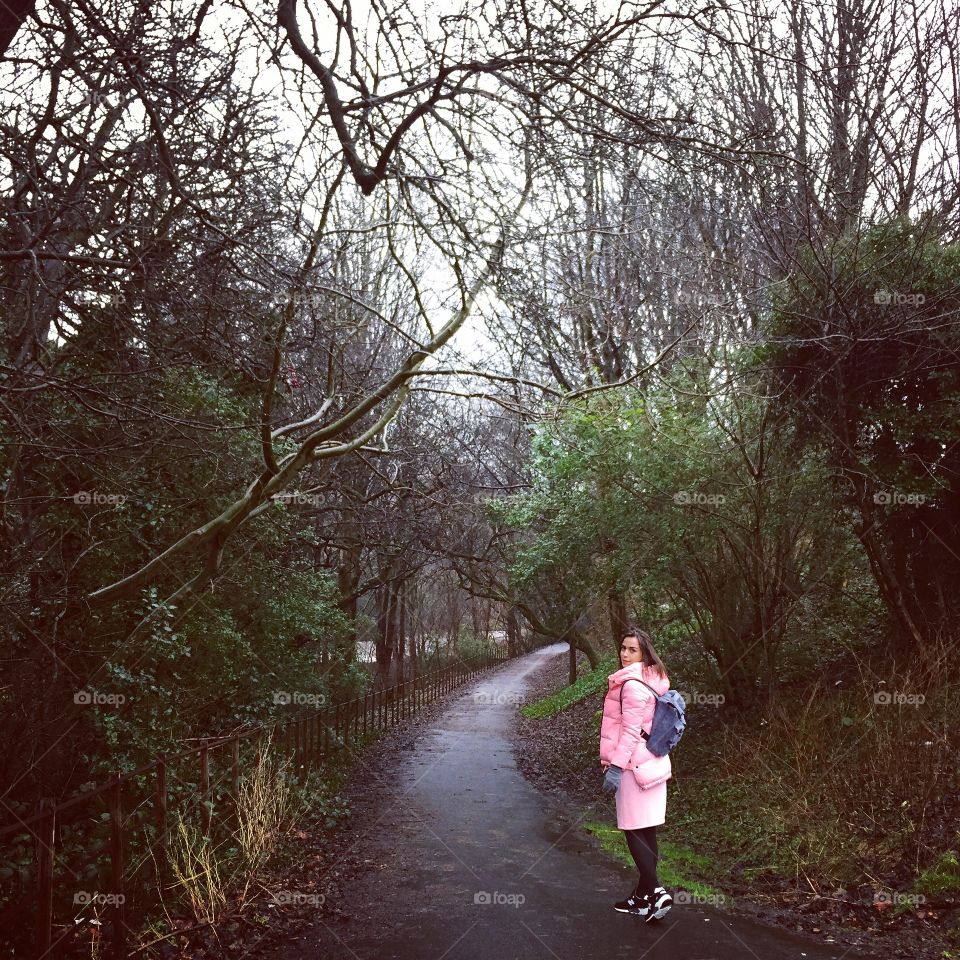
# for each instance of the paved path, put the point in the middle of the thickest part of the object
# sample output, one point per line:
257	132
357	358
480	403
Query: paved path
476	864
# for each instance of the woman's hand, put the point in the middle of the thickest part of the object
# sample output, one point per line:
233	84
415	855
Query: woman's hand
611	782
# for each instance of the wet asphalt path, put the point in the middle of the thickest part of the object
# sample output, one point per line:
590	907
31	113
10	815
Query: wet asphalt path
473	863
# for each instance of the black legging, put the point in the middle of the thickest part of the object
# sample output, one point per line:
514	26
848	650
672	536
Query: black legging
643	848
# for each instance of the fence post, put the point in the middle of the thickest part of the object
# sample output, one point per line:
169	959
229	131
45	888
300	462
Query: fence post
162	838
46	835
116	870
205	810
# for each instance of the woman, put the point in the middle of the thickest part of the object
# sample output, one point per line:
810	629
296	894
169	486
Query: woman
638	778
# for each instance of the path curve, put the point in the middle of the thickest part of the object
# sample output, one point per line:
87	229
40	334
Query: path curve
474	863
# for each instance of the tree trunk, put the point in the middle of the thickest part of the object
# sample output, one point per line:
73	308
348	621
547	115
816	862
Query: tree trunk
348	578
401	631
386	624
619	621
513	631
580	642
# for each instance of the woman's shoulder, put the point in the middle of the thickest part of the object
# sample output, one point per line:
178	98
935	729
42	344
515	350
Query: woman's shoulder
659	681
657	678
639	690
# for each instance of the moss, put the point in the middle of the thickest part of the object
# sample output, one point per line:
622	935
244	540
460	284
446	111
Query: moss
591	683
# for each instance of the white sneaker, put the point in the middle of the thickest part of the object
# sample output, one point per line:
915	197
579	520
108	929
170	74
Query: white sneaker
661	902
637	906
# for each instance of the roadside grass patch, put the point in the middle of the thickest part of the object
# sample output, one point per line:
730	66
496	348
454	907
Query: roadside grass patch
592	682
679	867
941	878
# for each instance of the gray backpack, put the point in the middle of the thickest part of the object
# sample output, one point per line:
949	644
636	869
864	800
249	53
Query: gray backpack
669	719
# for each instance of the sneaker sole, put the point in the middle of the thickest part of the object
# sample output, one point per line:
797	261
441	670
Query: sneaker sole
659	914
635	913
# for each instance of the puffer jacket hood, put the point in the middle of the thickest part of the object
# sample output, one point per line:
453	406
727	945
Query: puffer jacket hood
621	742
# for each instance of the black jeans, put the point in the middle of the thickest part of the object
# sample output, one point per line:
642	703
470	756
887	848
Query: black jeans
643	849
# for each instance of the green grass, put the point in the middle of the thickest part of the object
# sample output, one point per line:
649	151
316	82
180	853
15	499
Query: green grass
595	681
678	867
756	810
941	878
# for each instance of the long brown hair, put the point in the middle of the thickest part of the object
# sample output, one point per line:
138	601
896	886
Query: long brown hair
647	653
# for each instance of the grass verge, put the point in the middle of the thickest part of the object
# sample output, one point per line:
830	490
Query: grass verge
590	683
678	867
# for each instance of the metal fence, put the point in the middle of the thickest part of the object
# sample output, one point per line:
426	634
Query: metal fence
210	771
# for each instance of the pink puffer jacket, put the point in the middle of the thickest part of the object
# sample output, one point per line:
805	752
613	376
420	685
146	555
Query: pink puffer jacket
620	740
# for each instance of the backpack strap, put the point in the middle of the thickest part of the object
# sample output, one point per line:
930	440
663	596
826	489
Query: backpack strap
643	733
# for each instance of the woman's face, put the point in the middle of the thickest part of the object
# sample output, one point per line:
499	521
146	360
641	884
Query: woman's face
629	651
